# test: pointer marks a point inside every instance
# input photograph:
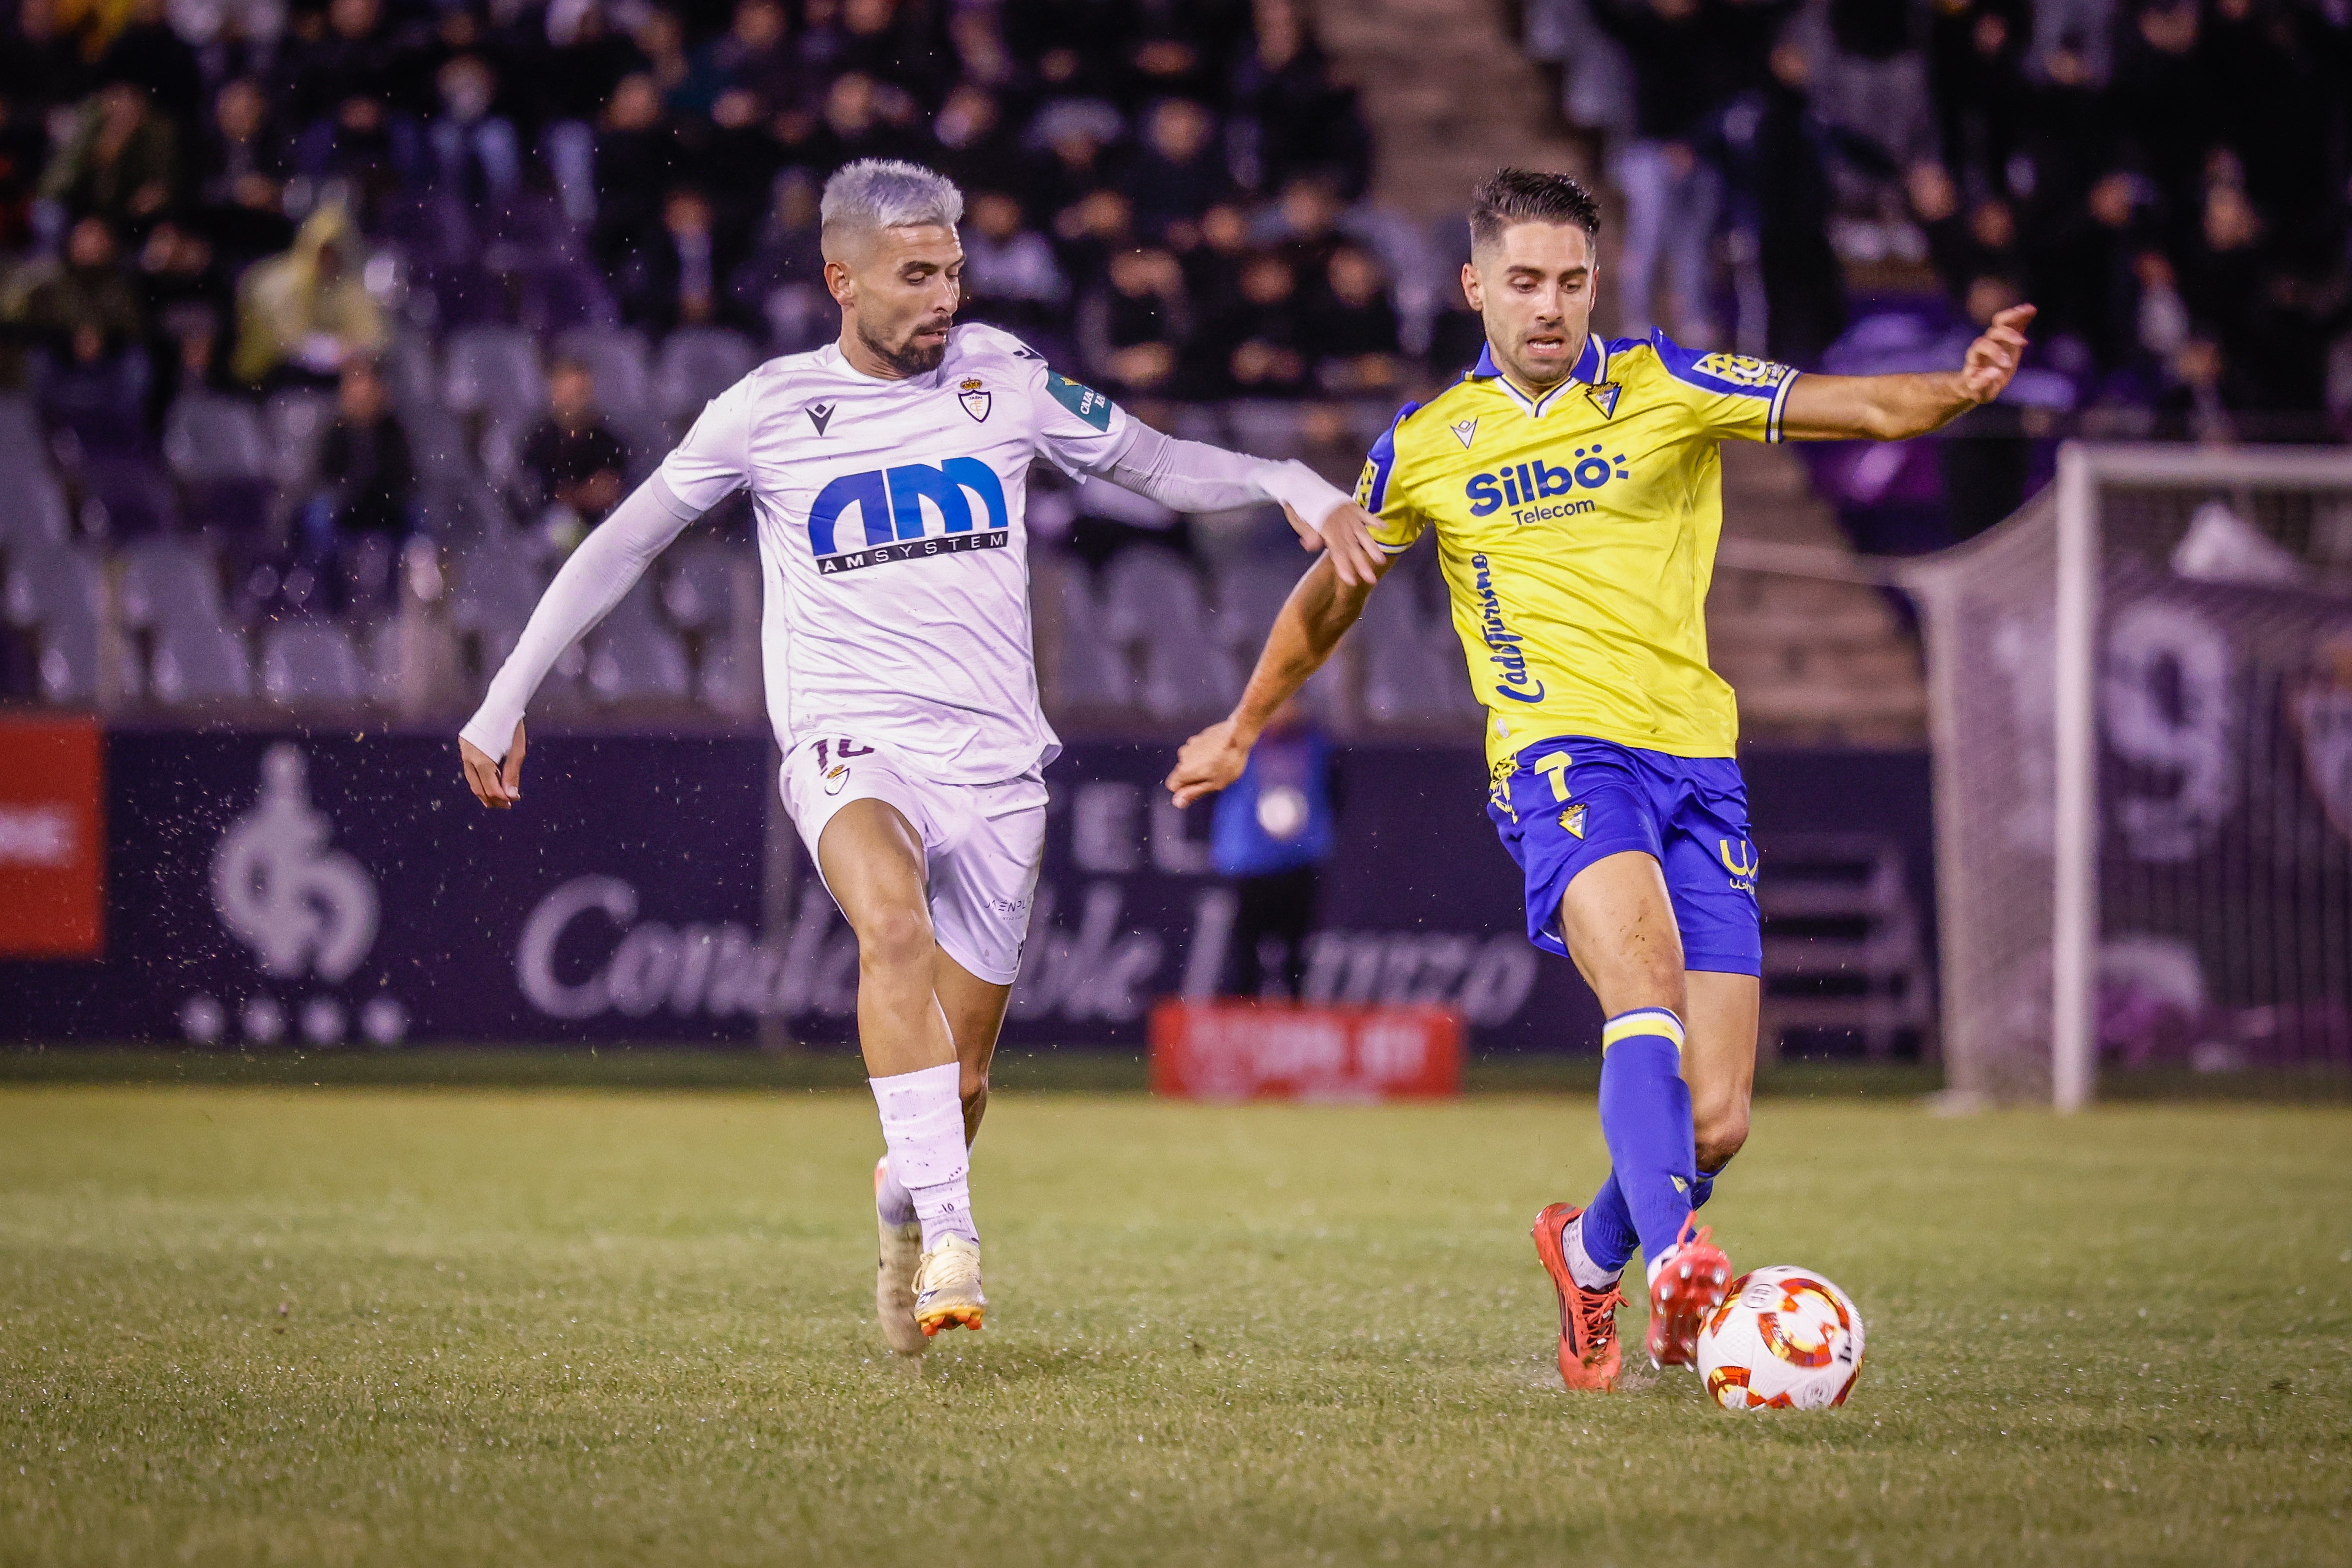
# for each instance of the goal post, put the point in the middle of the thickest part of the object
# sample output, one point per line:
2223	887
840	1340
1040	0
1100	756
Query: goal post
2140	704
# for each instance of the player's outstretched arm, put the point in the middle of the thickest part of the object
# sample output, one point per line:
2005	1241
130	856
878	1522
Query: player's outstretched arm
1193	476
1318	612
1896	407
600	573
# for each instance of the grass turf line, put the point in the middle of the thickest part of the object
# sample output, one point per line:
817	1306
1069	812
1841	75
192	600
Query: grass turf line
256	1325
1105	1071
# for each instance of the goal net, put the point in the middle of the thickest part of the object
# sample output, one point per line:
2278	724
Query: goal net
2140	698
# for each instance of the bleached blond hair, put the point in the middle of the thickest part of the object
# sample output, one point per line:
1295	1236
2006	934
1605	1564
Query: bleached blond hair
876	194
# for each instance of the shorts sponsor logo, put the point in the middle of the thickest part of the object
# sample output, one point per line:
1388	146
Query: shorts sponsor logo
1739	859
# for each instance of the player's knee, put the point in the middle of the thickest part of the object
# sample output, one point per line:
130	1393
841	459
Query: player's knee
895	938
1719	1134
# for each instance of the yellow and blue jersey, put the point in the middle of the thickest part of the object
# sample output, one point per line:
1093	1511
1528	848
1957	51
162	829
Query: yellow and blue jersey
1576	533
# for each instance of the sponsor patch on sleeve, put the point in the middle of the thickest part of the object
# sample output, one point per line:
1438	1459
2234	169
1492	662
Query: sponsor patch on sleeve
1083	401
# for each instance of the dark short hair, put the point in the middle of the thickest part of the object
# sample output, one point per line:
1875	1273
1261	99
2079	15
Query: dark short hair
1529	195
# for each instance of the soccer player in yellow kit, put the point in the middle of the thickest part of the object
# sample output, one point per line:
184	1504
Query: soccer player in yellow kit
1575	489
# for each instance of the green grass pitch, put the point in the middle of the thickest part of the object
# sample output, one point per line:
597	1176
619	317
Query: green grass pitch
257	1325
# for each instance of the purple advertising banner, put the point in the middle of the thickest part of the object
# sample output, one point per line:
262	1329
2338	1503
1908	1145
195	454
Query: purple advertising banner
267	888
345	890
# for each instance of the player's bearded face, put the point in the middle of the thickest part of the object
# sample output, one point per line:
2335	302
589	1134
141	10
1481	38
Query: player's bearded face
1533	287
907	294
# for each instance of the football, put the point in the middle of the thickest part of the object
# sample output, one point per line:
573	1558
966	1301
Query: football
1784	1339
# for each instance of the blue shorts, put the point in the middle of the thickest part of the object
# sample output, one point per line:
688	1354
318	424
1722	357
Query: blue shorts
1568	801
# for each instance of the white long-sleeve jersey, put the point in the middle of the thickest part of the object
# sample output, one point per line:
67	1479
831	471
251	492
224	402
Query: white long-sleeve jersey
893	546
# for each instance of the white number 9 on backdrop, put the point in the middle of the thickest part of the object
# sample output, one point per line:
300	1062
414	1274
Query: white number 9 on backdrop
2165	693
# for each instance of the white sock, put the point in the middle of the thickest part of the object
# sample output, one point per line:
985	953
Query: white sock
1659	1261
1580	1267
922	1123
892	1201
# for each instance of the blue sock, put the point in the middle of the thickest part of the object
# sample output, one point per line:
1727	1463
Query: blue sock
1704	1188
1646	1115
1609	1237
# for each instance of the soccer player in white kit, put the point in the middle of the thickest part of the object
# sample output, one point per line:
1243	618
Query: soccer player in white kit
888	474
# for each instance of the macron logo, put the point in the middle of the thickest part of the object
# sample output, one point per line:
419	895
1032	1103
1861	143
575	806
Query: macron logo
820	415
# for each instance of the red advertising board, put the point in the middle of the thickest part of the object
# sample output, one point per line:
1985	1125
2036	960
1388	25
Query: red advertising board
52	839
1273	1050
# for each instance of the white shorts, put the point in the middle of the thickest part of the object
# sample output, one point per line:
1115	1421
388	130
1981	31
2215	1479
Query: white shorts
982	844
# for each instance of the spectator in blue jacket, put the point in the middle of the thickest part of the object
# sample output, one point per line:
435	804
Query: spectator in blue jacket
1275	828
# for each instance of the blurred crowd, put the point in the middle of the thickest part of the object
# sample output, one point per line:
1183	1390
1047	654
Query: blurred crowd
2166	179
237	192
250	198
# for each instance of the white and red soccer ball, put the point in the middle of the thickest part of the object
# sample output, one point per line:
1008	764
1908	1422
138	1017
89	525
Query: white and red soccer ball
1784	1339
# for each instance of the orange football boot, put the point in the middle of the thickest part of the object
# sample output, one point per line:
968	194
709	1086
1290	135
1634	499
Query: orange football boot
1589	1352
1691	1285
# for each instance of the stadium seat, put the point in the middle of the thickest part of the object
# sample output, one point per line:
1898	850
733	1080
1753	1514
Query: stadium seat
493	372
726	681
1152	599
168	580
197	660
1266	429
634	655
32	507
699	591
410	368
384	660
369	566
438	441
56	594
1086	669
696	364
1102	499
207	437
20	430
310	661
623	366
1250	590
497	587
559	293
1412	663
126	493
216	450
293	424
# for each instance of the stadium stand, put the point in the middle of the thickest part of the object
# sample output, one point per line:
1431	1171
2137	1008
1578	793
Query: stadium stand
1241	218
